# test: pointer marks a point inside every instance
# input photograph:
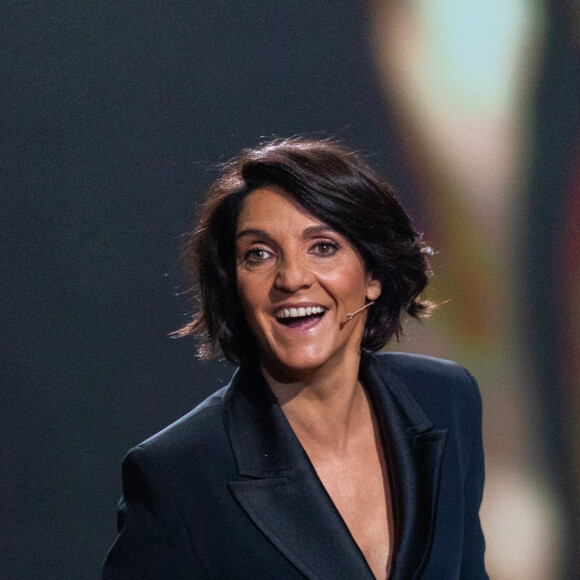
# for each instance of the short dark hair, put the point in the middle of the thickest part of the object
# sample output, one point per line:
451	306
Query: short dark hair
336	186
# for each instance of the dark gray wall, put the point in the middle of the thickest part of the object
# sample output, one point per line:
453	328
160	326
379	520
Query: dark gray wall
111	116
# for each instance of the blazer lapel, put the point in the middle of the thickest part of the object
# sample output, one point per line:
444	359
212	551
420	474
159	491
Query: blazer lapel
414	457
285	498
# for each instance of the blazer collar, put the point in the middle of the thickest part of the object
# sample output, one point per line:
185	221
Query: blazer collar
262	440
414	452
286	499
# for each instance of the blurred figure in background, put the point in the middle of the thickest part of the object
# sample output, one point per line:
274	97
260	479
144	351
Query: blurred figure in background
466	82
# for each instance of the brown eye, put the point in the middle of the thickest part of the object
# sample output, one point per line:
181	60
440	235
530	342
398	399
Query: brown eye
256	255
325	248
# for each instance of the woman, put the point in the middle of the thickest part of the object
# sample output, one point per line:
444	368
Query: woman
320	459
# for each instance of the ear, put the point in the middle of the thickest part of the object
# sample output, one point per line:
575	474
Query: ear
374	288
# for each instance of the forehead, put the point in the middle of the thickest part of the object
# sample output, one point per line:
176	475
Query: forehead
273	206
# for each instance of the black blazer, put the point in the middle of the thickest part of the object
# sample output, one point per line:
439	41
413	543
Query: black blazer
227	492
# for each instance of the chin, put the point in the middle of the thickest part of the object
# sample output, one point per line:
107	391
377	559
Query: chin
297	365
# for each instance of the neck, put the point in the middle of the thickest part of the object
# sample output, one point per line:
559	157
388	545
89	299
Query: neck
321	404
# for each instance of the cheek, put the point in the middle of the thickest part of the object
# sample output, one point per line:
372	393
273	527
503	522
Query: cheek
250	295
242	289
346	280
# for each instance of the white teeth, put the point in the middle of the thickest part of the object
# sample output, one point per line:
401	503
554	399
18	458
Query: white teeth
301	311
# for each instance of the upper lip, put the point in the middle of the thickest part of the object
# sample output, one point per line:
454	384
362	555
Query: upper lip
288	306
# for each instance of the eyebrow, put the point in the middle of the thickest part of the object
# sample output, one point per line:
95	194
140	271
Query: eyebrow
262	233
253	232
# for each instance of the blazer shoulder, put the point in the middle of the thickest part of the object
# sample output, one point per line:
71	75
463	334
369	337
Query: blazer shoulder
408	363
199	428
434	382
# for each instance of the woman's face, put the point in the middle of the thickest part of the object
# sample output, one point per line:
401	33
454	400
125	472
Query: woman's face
297	280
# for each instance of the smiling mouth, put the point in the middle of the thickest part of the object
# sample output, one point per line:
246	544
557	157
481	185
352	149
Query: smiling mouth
300	317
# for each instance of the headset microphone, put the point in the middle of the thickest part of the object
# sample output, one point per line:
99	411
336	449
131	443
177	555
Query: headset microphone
349	316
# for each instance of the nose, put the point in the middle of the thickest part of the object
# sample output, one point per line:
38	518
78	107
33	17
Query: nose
292	275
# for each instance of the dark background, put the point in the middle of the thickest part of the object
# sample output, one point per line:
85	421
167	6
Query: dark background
112	116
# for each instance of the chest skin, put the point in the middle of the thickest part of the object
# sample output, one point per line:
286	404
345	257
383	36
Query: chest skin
354	474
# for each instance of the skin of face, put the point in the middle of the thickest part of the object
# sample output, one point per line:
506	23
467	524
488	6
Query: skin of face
286	258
